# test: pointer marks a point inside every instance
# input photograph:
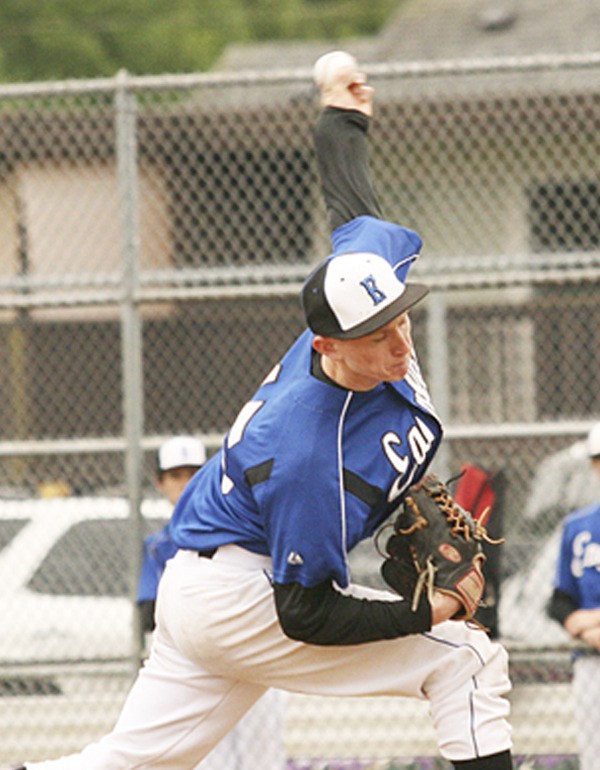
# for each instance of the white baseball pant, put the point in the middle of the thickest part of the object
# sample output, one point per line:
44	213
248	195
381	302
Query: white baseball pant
255	742
586	686
218	646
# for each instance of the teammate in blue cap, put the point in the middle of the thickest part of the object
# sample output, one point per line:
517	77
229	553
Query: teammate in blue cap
259	594
178	459
575	603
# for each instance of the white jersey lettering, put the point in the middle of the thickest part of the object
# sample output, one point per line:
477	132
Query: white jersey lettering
420	439
586	554
399	462
236	432
415	379
235	435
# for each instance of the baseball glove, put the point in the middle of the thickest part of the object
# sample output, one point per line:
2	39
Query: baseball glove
436	545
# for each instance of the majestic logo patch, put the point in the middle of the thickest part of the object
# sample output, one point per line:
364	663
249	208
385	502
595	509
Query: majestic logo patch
295	558
372	290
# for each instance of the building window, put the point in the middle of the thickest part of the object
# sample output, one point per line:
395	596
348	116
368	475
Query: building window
565	216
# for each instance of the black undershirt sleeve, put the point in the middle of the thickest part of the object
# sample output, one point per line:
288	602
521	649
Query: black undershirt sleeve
323	615
561	605
340	140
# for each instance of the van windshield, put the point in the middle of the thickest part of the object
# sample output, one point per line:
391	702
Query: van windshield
91	559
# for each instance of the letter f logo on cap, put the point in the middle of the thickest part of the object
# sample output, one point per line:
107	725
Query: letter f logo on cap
372	289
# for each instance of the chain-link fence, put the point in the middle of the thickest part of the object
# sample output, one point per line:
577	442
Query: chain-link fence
154	233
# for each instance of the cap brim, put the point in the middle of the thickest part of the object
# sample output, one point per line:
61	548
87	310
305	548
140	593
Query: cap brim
180	465
413	293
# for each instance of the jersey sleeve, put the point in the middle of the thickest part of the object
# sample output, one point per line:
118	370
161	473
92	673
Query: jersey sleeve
399	245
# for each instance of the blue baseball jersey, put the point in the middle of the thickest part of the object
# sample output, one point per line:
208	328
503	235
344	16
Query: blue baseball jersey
158	548
578	567
309	469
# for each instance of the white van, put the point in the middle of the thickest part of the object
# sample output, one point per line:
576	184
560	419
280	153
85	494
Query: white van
66	620
65	575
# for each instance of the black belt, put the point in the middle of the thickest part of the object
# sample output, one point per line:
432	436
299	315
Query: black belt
207	554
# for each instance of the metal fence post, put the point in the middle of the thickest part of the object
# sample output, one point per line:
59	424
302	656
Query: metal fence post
131	334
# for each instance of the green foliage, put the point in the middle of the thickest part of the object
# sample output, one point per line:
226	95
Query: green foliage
57	39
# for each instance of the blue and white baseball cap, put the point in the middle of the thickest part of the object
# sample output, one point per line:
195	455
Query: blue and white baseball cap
351	295
180	452
593	441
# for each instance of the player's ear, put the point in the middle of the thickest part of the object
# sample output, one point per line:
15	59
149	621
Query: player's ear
325	346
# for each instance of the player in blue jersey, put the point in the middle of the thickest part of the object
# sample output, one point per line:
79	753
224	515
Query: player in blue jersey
178	459
575	603
259	594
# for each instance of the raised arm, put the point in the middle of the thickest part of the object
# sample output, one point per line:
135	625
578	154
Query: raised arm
340	138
